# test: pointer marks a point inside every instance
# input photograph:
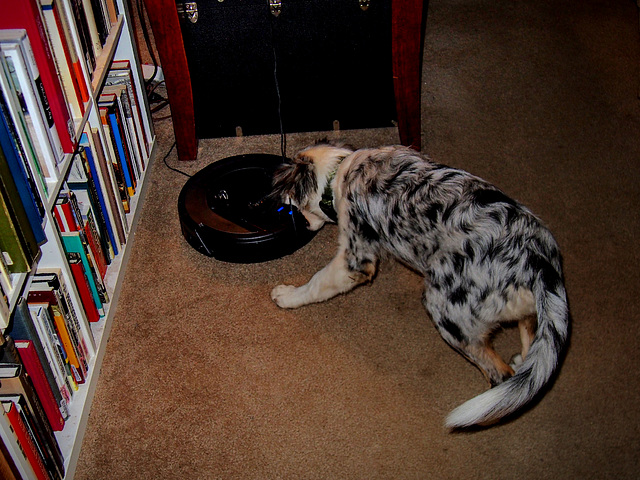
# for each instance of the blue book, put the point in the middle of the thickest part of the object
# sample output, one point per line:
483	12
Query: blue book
20	177
115	128
84	141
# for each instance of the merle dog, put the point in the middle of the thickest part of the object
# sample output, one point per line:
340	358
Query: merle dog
486	259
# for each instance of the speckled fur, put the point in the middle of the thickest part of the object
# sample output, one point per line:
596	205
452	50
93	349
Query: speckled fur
486	259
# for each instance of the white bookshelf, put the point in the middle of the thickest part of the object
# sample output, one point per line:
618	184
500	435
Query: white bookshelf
120	45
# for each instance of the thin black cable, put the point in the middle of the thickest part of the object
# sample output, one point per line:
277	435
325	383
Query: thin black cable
283	137
169	166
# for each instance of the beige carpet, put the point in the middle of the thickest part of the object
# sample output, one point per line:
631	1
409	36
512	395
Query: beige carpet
205	378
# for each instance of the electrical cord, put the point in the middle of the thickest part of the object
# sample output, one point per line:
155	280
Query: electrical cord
169	166
283	136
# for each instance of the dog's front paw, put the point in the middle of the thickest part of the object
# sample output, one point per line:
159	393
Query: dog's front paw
285	296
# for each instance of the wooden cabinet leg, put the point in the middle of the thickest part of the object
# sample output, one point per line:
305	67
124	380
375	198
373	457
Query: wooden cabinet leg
406	32
165	24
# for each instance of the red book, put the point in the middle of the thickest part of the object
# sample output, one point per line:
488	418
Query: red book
80	279
32	365
64	216
28	447
26	14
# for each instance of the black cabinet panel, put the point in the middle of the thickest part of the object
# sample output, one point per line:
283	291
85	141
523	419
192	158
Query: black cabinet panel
331	58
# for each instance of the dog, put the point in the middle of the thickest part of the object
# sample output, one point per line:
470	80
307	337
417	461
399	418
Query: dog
486	259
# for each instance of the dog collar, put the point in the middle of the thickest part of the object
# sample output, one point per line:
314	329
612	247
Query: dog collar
326	202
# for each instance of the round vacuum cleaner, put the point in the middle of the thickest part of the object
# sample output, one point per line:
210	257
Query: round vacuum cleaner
225	212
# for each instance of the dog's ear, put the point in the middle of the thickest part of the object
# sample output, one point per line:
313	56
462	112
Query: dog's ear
295	180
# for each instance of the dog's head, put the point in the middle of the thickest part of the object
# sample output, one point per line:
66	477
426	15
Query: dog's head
303	180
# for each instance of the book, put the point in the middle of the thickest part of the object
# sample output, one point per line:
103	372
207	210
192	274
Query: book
47	332
43	438
125	157
19	388
62	57
120	73
62	12
10	356
53	278
27	83
67	337
97	188
82	284
20	171
25	14
64	215
73	244
35	369
23	328
94	35
115	159
8	469
49	286
17	242
125	109
21	128
114	11
72	216
108	176
25	440
76	16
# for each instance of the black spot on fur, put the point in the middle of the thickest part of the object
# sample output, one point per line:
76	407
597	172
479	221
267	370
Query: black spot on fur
452	329
362	226
487	197
469	251
448	211
458	263
459	296
550	277
433	211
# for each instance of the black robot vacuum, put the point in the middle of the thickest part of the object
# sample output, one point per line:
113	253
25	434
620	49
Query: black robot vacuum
226	213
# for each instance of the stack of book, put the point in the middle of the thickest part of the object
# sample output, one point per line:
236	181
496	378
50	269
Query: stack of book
73	152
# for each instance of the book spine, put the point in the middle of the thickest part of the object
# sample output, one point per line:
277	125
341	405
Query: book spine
123	151
61	58
16	251
24	328
41	126
116	163
21	174
96	43
34	368
26	442
26	14
82	284
101	193
22	133
107	175
78	75
51	342
67	344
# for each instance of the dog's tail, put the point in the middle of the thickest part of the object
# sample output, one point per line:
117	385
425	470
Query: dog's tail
540	362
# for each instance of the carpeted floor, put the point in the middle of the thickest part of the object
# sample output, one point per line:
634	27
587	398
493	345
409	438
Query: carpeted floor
205	378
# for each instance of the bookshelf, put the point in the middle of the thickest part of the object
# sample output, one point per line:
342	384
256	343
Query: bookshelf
96	147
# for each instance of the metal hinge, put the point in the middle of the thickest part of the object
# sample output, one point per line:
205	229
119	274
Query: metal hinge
275	6
188	10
